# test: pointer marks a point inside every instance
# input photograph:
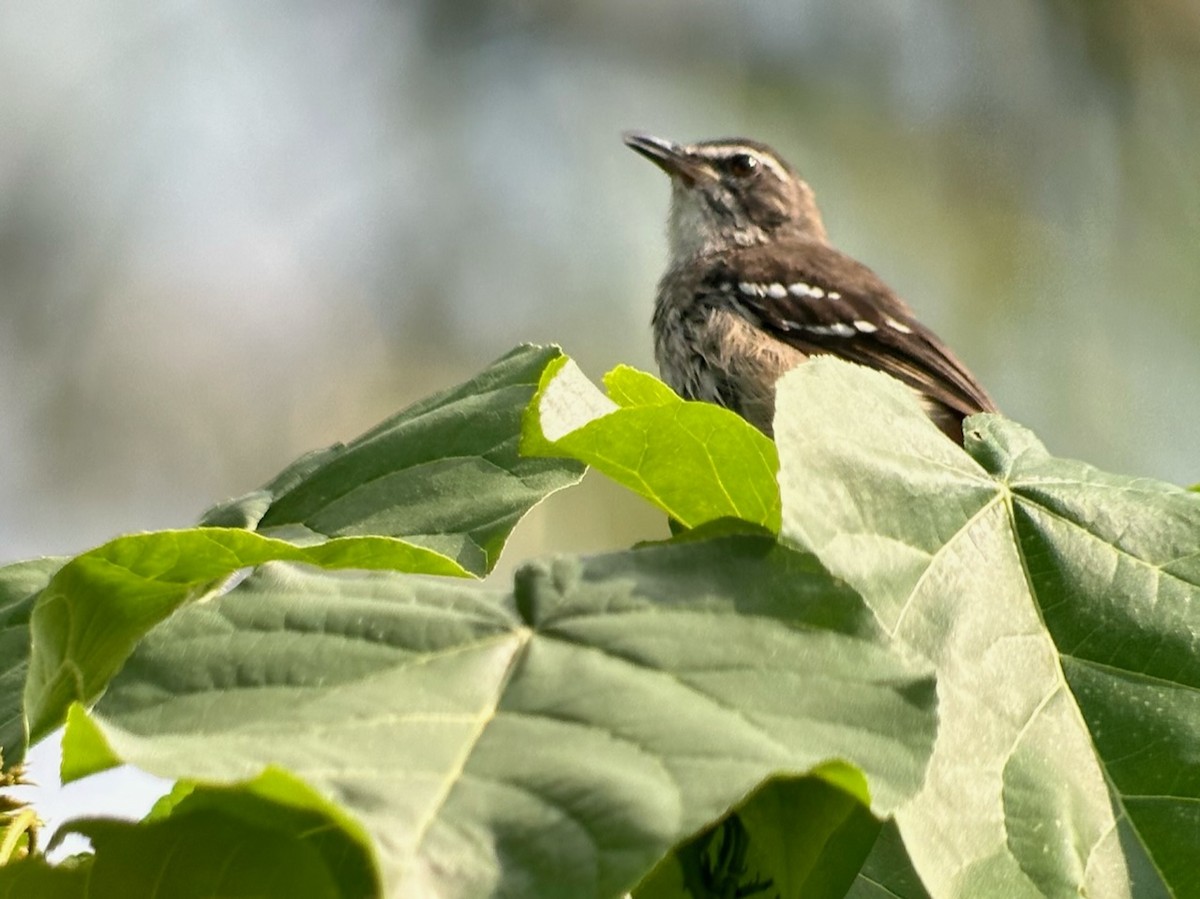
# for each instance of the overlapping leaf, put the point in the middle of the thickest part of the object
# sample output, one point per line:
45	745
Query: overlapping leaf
552	740
695	461
558	738
435	489
20	584
795	836
1061	607
443	474
98	605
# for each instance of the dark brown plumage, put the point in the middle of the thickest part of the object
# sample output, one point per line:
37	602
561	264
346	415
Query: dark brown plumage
753	288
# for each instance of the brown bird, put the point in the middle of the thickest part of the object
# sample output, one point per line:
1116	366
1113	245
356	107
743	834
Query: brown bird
753	289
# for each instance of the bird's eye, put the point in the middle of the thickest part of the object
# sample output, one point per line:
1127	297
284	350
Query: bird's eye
742	165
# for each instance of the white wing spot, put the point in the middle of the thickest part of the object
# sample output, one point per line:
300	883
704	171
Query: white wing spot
837	329
802	289
776	291
751	289
898	326
865	326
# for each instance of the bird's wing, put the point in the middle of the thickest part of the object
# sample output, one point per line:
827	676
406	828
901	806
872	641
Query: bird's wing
820	301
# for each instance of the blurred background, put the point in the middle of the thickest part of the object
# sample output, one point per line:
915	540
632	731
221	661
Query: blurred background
231	232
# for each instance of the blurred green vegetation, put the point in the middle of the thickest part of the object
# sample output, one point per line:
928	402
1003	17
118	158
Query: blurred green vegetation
231	232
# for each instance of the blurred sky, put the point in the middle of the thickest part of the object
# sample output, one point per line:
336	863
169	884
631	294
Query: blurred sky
231	232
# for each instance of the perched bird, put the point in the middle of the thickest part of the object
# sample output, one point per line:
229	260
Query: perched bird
753	289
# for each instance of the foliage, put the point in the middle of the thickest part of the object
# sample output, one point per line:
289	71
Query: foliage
872	663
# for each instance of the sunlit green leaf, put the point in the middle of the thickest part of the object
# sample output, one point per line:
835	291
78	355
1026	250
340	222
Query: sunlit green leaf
695	461
98	605
1060	606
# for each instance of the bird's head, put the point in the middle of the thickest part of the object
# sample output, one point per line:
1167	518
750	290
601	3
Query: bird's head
730	192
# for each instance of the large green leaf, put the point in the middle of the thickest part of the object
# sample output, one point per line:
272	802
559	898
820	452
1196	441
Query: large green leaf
695	461
444	474
551	740
1060	606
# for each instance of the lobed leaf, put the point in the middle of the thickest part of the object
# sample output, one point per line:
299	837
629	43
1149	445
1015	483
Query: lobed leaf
554	739
1061	608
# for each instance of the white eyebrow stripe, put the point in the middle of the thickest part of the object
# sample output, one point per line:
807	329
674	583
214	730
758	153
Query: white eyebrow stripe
774	166
731	149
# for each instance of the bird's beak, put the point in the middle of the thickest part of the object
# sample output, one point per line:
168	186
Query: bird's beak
668	156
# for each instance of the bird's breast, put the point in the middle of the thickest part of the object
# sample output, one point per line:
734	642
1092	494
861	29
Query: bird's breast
707	350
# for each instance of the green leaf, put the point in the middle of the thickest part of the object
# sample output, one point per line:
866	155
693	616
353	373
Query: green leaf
33	878
555	739
272	836
203	854
795	836
20	584
277	801
99	604
443	474
1060	606
695	461
888	872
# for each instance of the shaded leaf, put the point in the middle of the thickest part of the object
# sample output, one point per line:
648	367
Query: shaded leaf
794	837
33	877
200	855
888	872
442	474
20	584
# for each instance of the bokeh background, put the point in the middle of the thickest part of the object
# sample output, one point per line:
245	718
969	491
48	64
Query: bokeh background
231	232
